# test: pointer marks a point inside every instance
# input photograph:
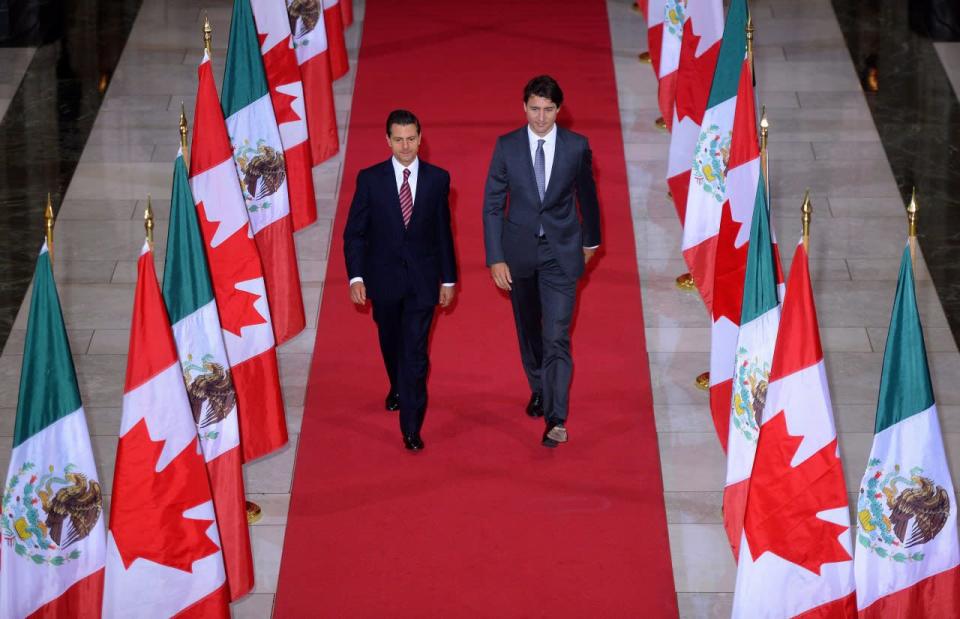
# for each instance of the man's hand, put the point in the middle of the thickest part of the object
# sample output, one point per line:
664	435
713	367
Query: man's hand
358	293
500	273
446	295
588	254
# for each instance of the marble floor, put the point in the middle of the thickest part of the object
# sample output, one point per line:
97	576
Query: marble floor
14	61
822	136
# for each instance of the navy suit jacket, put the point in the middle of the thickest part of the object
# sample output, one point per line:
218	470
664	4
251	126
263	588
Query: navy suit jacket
510	232
392	260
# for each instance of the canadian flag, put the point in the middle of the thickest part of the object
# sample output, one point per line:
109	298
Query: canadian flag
654	16
163	547
237	276
310	44
333	21
796	552
289	106
346	8
702	31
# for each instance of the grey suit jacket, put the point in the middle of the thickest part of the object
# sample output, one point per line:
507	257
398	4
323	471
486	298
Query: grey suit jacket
513	212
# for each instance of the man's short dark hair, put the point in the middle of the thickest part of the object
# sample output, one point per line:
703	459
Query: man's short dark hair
543	86
402	117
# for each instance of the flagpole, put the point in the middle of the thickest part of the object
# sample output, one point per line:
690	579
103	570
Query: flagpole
764	159
207	35
750	30
807	209
183	134
912	209
148	221
48	219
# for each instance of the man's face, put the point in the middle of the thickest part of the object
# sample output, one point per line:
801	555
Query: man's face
541	114
404	141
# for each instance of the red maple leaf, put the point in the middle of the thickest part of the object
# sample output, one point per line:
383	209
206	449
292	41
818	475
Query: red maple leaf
233	261
280	65
731	268
694	75
785	500
146	516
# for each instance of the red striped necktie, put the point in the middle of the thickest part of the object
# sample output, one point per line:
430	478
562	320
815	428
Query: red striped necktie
406	199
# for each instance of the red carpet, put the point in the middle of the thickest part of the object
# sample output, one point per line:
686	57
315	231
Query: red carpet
485	522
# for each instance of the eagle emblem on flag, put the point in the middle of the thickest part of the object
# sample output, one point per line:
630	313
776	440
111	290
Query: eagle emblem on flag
304	16
896	513
262	170
710	163
675	13
749	395
44	514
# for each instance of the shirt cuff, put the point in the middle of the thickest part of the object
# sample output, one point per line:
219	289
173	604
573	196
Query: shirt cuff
448	285
354	280
594	247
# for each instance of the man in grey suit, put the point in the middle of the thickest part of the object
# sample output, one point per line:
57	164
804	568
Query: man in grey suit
537	244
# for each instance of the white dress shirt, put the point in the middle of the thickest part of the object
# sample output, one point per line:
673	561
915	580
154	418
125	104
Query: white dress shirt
398	169
549	149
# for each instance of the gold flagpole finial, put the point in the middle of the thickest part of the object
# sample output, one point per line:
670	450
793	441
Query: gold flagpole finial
750	31
183	131
764	158
807	209
148	221
207	34
48	224
912	215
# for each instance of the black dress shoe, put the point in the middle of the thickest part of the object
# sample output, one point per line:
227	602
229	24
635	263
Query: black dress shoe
413	442
535	405
392	403
554	434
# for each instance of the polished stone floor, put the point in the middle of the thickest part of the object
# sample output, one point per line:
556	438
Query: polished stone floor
822	137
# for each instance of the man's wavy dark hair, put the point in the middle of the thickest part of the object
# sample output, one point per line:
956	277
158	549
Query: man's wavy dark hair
543	86
402	117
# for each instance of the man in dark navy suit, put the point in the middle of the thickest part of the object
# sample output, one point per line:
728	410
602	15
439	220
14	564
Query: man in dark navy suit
399	253
537	243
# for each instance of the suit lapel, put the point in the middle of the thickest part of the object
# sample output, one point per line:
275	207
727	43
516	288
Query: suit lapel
559	160
422	185
523	148
390	189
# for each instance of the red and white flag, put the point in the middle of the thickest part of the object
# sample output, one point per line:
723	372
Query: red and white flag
289	106
702	31
674	16
237	276
333	21
313	55
796	553
163	547
654	17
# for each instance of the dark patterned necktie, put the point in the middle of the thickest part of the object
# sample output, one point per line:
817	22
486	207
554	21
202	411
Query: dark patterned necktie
406	199
540	169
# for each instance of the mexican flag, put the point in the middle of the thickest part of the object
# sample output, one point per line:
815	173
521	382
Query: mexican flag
289	107
728	203
163	549
258	154
310	45
238	286
188	296
674	16
907	553
756	338
333	22
52	553
700	46
796	555
707	193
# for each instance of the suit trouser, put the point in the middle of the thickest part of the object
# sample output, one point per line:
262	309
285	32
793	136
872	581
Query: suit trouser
403	328
543	306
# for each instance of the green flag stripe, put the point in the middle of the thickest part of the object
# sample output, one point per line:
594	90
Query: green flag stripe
186	278
48	380
733	48
905	387
760	281
244	79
